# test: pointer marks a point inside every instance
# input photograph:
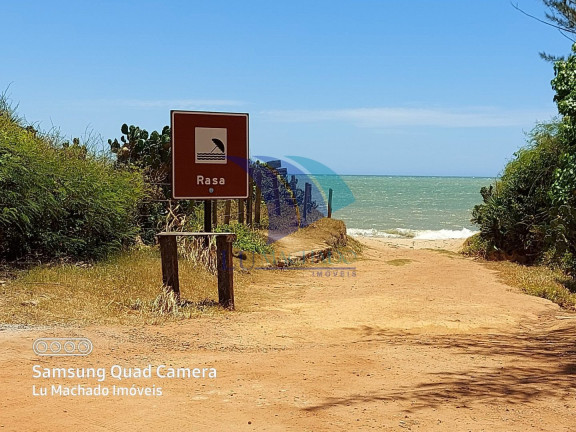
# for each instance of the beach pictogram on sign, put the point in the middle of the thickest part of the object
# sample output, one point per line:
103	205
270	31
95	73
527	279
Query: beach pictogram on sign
211	145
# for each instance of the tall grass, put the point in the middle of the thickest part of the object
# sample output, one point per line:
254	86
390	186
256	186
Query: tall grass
123	289
540	281
61	200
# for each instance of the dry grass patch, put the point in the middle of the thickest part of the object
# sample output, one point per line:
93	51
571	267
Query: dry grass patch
127	289
448	253
540	281
331	232
354	245
399	262
123	290
320	235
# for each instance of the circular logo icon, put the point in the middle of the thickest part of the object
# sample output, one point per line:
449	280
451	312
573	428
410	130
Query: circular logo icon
73	346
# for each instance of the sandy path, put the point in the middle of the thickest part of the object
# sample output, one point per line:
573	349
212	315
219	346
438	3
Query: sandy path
416	340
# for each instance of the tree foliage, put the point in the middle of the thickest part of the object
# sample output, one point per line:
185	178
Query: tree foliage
562	14
530	212
565	88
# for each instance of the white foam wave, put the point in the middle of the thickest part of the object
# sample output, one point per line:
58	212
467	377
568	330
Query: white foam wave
445	234
442	234
371	233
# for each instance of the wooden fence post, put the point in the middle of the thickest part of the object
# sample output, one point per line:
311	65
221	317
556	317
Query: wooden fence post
225	270
276	187
258	199
240	210
227	210
329	203
249	202
293	184
307	193
169	257
214	213
207	216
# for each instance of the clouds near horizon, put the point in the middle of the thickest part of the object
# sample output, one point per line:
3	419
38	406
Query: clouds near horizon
388	117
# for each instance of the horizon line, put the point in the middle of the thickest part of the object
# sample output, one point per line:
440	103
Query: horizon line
400	175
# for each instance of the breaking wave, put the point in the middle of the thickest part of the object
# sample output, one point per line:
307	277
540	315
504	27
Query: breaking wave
413	234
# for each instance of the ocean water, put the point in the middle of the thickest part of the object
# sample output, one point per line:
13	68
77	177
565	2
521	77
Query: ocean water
411	207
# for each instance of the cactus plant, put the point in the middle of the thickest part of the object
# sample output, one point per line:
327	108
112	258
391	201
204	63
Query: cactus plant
152	153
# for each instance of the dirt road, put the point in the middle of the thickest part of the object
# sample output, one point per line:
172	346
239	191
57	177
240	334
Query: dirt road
411	339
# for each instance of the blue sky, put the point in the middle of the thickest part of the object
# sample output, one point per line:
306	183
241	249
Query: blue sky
446	87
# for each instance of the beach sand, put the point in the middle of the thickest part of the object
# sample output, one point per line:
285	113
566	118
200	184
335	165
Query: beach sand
414	338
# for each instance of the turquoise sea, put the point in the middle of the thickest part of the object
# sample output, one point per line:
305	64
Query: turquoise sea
392	206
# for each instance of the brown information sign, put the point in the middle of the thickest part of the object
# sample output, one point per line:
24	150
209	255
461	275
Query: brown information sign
209	155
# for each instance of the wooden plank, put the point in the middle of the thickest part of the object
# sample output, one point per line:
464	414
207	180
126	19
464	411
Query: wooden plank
225	271
274	164
169	258
187	233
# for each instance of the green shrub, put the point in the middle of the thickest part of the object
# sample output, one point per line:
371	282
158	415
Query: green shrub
477	246
59	200
515	216
529	212
247	239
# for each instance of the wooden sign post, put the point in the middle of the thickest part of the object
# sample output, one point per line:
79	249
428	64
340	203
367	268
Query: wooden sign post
209	162
169	257
225	269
